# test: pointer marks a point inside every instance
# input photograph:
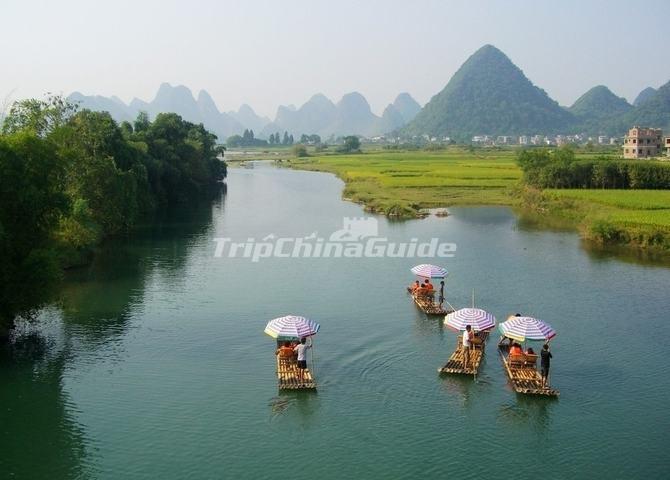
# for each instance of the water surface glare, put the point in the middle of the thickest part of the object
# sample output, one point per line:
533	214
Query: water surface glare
155	365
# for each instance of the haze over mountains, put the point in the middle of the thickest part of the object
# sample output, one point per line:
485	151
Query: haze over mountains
350	116
488	95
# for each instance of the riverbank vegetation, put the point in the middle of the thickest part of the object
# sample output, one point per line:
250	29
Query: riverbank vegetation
69	179
561	168
611	201
608	200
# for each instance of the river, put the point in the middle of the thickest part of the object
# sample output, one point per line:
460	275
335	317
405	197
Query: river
154	363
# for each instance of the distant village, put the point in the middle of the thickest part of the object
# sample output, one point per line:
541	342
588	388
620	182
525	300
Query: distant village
640	142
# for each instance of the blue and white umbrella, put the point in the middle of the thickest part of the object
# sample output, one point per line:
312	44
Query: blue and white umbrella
526	328
291	326
429	271
480	320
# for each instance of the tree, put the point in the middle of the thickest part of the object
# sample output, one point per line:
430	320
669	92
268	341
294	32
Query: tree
142	122
304	138
38	116
300	151
32	199
69	179
272	139
286	139
234	141
290	139
126	129
351	144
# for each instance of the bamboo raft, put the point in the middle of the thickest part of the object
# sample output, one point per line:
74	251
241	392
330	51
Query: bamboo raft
428	306
455	363
522	373
287	375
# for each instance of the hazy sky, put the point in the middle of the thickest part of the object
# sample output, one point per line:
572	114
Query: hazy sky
268	53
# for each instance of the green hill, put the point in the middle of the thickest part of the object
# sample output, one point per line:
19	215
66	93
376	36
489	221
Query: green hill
653	112
644	95
490	95
596	108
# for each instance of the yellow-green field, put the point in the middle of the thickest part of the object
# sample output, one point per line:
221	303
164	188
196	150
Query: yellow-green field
404	182
396	182
630	207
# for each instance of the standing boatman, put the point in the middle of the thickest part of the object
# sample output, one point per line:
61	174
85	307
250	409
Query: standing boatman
468	336
301	350
545	362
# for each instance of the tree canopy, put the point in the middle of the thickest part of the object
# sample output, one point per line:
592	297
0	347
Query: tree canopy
70	178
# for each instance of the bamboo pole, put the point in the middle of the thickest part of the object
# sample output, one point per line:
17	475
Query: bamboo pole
311	342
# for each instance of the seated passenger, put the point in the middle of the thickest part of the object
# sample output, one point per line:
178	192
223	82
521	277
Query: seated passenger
516	349
285	351
530	351
429	286
415	286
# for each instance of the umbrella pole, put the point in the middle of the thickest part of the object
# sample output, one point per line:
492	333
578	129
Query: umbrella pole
313	361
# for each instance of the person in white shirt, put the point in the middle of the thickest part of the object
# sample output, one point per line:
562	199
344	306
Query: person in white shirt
301	350
468	336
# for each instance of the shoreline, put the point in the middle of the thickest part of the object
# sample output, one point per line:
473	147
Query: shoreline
582	217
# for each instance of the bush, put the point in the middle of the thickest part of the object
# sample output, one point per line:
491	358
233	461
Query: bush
300	151
607	233
351	144
560	169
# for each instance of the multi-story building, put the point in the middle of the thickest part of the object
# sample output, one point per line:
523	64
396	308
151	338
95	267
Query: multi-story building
642	142
667	146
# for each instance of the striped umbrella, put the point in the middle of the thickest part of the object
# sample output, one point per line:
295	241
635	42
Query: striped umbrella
291	326
429	271
477	318
526	328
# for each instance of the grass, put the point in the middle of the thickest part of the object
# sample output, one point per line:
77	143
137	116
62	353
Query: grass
634	217
641	200
402	183
390	181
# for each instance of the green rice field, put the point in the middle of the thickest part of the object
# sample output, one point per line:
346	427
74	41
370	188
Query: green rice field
402	183
624	207
389	182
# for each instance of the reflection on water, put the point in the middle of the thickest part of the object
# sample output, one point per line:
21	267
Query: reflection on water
527	413
530	221
156	366
459	387
42	436
38	425
97	299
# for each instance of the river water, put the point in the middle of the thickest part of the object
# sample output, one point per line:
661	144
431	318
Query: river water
154	363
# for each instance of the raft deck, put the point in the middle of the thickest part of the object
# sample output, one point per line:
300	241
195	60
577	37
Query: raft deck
523	374
428	306
287	376
455	363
